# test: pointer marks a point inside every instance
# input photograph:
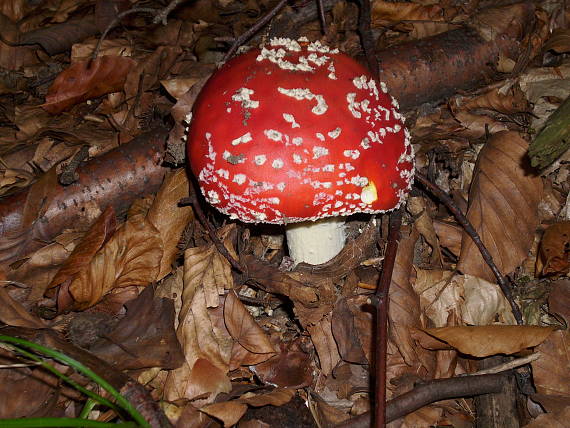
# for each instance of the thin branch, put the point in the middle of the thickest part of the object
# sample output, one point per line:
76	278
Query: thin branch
258	25
431	392
161	17
517	362
468	227
322	16
367	39
380	302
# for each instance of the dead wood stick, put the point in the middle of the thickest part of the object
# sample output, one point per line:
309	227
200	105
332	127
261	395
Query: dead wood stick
133	391
380	301
468	227
431	392
116	178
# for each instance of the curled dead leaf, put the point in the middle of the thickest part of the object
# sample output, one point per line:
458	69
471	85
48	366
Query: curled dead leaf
131	257
87	79
483	341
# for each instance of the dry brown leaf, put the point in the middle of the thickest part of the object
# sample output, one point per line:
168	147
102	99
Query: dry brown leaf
346	335
243	327
551	372
325	345
503	206
131	257
510	101
288	369
484	341
277	397
169	218
477	126
87	79
201	330
14	314
554	252
85	250
384	12
229	412
404	307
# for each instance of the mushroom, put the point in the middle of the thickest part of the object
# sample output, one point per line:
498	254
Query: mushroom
297	133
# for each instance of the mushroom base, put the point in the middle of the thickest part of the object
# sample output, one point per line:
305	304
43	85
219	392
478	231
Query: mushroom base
315	242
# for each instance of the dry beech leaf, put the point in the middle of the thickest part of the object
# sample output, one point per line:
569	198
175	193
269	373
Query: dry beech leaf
229	412
511	101
384	12
87	79
551	372
130	257
289	369
14	314
169	218
206	343
345	332
85	250
503	206
554	252
483	341
325	345
243	327
206	267
404	307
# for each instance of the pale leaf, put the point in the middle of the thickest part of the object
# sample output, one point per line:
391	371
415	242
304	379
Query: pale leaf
503	206
484	341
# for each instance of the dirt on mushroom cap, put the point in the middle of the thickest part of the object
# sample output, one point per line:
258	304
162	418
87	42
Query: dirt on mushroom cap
297	131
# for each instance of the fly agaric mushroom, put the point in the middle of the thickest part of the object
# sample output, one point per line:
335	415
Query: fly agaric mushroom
299	134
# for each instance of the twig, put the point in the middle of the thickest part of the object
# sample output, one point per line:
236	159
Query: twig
322	16
518	362
193	200
367	39
380	302
468	227
258	25
430	392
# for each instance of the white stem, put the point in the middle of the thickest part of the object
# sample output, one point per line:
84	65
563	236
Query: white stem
316	242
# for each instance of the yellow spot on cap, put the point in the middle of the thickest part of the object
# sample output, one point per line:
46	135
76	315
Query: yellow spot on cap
369	194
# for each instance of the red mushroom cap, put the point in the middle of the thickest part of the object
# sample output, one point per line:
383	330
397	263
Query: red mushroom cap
297	131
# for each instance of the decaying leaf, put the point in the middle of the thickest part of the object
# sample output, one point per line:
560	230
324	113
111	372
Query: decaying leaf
554	252
245	331
484	341
206	343
504	188
551	372
447	296
130	257
14	314
87	79
144	338
169	218
559	299
325	344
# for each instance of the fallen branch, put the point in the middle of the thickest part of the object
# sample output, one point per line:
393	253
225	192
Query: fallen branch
116	178
431	392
